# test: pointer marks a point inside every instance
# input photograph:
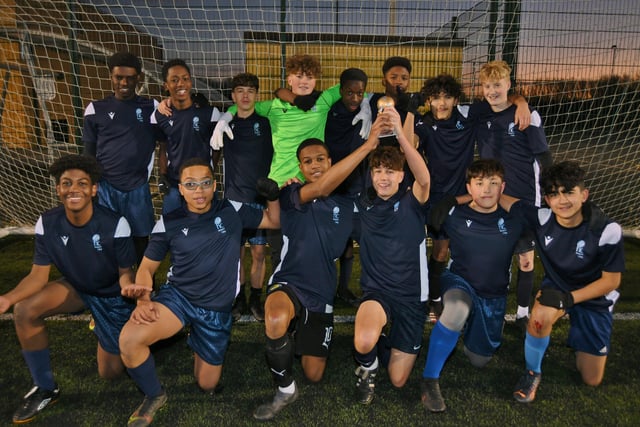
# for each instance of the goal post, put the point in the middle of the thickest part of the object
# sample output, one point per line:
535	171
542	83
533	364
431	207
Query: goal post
576	65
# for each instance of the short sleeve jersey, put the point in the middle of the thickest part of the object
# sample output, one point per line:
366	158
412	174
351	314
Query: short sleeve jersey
247	158
481	246
393	247
499	138
204	251
186	133
89	256
448	146
342	138
124	139
289	127
575	257
314	236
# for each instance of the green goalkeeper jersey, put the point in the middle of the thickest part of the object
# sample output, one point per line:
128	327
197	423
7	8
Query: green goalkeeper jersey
289	127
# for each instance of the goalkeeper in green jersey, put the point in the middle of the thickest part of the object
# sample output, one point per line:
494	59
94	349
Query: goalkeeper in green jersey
302	115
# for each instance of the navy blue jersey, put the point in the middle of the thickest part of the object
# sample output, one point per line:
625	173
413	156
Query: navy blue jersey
204	251
314	235
448	146
342	138
499	138
575	257
186	133
481	246
247	157
393	249
88	256
122	138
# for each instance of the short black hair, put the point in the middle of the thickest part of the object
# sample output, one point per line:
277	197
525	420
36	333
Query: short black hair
443	83
567	174
245	79
195	161
176	62
353	74
124	59
395	61
484	168
307	143
87	164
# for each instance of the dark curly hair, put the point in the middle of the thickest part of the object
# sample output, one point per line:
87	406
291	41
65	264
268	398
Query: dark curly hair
388	157
567	174
84	163
443	83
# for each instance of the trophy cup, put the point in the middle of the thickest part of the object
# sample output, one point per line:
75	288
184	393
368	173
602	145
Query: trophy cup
384	102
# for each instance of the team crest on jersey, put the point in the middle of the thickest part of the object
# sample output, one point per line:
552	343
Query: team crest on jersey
459	125
111	114
580	249
185	231
548	240
512	129
256	129
96	242
336	215
64	239
488	125
502	227
196	124
219	225
396	206
468	223
139	115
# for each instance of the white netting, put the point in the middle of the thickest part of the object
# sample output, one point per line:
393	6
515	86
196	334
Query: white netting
576	62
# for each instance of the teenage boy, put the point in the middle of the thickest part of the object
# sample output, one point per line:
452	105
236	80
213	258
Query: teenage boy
202	237
91	247
247	159
185	133
523	154
583	258
393	258
476	283
117	131
342	138
447	140
299	305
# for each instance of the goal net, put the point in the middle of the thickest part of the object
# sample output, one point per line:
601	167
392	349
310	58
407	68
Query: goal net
576	62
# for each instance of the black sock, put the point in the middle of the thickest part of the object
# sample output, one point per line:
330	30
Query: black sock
367	359
435	272
279	353
524	289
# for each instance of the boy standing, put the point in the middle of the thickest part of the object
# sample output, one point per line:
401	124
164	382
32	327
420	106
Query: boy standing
475	285
185	133
117	131
582	253
523	154
91	246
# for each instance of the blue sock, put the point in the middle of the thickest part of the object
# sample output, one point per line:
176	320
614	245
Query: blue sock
441	343
146	378
39	364
534	349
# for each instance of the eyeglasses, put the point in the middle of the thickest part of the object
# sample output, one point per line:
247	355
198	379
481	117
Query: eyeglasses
193	185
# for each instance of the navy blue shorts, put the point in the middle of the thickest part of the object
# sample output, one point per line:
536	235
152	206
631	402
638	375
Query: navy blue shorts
483	331
407	321
135	205
210	330
312	331
109	314
590	330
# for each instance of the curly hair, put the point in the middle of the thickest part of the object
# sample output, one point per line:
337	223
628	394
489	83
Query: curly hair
87	164
444	83
567	174
307	64
388	157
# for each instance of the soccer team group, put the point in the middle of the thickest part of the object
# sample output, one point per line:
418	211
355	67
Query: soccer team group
309	173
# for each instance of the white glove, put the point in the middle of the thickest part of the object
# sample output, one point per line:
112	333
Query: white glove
365	116
216	141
